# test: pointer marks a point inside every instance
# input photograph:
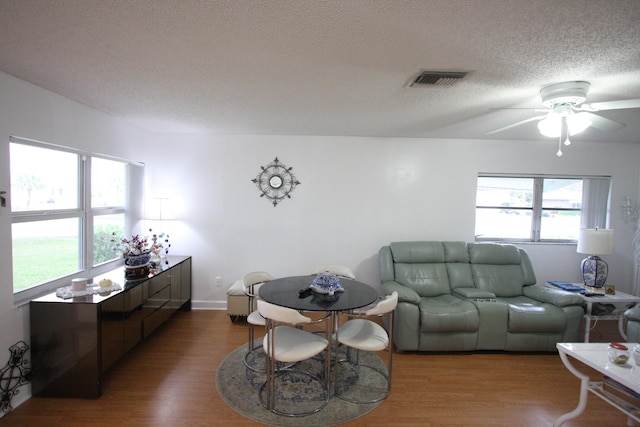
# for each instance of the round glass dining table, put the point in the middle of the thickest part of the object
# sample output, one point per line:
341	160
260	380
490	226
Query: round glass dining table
285	292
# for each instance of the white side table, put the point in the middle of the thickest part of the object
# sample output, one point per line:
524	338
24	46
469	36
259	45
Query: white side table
594	355
617	298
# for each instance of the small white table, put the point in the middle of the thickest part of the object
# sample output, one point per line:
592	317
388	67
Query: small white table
617	298
595	356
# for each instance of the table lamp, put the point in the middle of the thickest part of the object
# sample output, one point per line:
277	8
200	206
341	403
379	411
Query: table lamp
594	242
159	209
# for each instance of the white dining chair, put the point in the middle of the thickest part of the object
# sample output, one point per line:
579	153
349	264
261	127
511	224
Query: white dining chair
251	283
337	269
287	342
363	334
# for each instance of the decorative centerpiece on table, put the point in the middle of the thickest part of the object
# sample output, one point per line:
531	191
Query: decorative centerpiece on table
136	252
326	283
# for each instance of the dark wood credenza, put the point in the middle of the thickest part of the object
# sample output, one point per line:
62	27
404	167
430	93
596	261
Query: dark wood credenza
75	341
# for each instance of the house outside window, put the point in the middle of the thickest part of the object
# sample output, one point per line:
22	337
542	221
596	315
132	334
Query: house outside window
539	208
65	205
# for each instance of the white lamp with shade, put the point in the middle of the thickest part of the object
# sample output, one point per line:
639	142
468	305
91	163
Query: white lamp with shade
159	209
594	242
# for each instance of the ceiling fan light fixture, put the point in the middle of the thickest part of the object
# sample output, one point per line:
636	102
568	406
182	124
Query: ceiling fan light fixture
577	123
550	126
573	93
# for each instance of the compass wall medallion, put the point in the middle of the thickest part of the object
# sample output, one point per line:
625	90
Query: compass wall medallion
275	181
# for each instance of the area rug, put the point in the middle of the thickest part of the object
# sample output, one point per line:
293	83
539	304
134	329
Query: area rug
239	388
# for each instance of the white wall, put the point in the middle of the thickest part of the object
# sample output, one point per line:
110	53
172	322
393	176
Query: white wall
356	194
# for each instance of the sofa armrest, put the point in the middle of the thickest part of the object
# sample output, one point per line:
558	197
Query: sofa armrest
632	314
405	294
472	293
556	297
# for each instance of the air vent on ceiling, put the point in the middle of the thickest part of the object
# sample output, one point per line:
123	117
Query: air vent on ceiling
438	78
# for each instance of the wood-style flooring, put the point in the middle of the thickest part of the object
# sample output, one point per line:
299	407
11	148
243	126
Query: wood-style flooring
169	380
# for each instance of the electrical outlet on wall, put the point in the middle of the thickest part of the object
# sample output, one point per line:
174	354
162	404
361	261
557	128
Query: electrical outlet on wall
219	281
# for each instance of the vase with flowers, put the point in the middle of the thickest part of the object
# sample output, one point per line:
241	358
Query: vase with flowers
159	247
136	252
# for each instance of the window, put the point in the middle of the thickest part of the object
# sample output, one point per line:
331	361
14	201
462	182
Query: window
65	205
539	208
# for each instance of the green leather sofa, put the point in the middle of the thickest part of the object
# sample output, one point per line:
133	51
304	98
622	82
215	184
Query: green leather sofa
457	296
632	316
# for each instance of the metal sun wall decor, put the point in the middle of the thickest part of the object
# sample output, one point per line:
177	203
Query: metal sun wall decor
275	181
14	375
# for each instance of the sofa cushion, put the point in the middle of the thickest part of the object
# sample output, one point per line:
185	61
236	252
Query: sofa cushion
448	313
428	280
459	275
497	268
493	253
417	252
456	252
528	315
502	280
237	288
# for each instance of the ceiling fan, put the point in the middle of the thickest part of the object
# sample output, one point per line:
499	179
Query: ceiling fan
565	113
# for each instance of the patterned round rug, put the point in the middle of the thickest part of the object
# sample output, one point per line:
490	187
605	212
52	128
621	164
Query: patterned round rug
239	388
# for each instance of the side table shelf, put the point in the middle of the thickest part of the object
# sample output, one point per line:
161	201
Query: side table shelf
619	298
594	356
75	341
632	411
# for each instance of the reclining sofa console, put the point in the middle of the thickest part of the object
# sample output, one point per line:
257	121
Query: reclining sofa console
457	296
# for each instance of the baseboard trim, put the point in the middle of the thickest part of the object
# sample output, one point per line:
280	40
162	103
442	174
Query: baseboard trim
208	305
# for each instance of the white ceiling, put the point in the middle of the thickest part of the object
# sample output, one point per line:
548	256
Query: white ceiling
331	67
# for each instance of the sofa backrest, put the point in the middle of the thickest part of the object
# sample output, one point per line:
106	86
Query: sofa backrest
458	268
500	268
433	268
429	268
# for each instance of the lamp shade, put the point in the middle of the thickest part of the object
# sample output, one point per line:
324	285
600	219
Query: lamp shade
551	125
159	209
577	123
595	241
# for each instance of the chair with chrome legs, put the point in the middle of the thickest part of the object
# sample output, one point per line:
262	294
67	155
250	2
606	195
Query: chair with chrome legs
360	333
337	269
287	342
251	282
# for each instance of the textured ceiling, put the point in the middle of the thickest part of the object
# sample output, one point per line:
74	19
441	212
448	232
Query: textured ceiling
332	67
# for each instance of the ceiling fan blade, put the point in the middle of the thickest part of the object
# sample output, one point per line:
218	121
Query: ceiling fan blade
614	105
523	108
531	119
601	123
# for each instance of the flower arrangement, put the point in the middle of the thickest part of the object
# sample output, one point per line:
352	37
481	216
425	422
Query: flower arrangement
136	245
160	243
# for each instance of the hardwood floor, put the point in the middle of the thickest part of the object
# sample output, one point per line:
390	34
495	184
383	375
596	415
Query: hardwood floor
170	380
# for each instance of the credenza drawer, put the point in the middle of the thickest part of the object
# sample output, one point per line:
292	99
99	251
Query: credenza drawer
158	299
155	284
155	319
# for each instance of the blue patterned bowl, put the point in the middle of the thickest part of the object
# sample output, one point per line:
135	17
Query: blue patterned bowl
137	260
326	282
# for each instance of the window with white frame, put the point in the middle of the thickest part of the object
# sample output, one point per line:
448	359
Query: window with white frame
65	205
539	208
